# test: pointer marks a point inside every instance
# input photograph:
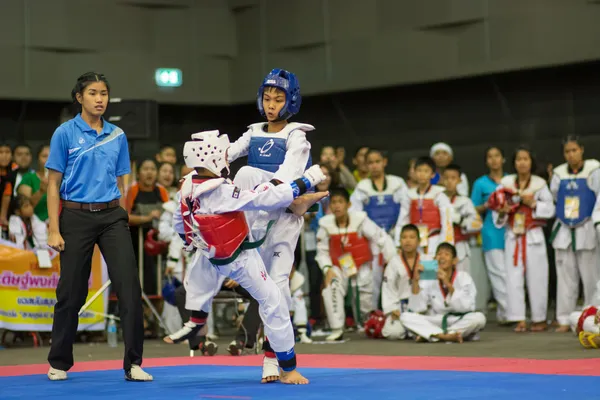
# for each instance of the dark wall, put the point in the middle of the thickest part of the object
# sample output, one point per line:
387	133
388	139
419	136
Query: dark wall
533	107
537	108
224	47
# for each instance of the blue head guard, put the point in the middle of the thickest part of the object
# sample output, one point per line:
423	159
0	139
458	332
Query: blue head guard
286	81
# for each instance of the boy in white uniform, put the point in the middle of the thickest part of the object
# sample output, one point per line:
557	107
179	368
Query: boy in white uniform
451	298
397	281
213	225
430	210
344	243
381	196
277	151
465	217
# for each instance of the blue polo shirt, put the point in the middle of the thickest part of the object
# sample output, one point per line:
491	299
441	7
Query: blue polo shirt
492	238
90	162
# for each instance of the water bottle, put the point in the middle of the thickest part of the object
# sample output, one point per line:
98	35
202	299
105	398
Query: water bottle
112	332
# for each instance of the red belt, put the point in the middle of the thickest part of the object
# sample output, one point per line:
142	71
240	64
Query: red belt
522	241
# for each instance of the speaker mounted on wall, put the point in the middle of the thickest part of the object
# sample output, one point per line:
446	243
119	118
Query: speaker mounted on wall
137	118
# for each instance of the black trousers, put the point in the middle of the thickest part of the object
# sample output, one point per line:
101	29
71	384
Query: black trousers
81	230
315	282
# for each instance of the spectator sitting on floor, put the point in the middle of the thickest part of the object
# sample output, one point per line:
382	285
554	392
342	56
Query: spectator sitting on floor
451	298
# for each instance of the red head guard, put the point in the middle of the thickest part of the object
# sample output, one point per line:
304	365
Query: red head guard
503	196
374	325
587	312
153	246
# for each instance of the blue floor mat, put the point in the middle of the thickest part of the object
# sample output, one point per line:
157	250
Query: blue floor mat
242	383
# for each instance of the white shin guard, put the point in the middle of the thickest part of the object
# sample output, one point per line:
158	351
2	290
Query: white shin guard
333	302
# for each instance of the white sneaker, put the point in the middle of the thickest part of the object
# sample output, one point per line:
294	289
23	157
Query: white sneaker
188	330
57	374
336	334
137	374
303	336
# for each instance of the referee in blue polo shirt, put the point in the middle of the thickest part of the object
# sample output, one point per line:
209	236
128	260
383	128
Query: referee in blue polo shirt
87	161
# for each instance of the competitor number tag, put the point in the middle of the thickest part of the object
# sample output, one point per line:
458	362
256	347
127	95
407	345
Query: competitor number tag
519	224
348	265
572	207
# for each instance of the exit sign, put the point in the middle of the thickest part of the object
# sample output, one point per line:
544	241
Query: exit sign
168	77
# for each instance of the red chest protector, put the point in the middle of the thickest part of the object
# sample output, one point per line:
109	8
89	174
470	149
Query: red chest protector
530	222
223	232
428	215
356	245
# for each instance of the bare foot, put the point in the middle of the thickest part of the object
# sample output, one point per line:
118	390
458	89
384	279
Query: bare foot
455	337
563	329
293	378
301	204
521	327
420	339
539	326
167	339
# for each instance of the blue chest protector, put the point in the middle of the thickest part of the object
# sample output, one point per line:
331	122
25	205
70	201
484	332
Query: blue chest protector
383	210
574	192
268	153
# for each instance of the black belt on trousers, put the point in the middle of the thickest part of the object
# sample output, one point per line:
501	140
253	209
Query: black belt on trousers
92	207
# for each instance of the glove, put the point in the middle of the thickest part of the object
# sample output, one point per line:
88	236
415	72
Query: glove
456	218
314	175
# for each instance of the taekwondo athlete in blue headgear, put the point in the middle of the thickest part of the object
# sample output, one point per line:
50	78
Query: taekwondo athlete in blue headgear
381	196
277	151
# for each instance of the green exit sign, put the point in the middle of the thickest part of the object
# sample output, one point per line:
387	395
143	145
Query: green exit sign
168	77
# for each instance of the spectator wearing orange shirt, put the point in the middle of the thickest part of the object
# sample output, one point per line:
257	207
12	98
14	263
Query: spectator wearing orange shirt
144	204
